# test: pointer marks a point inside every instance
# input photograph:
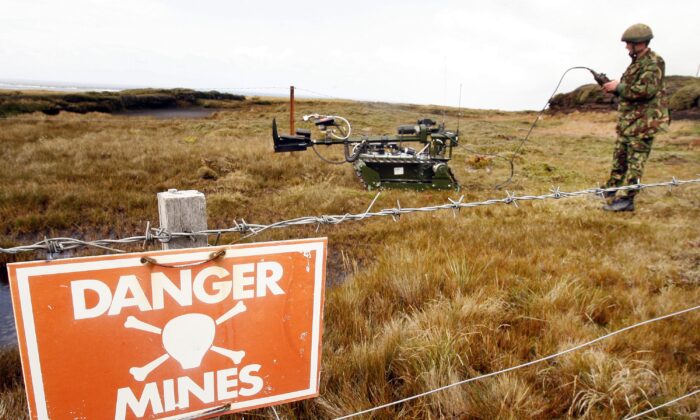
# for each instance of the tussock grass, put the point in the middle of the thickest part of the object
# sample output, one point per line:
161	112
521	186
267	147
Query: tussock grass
433	298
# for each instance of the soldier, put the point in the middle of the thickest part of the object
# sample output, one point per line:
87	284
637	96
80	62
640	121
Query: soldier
643	111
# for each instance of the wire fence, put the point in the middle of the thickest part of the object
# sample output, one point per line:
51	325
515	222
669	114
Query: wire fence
56	245
666	404
530	363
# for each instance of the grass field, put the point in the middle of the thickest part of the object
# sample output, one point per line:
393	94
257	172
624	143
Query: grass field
433	298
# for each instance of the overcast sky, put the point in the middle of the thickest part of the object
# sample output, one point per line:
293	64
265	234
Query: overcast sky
507	54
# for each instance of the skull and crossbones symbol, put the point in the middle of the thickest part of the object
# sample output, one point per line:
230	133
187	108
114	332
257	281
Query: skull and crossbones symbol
186	338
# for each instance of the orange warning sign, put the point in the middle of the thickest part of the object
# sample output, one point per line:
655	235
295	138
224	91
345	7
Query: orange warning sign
173	335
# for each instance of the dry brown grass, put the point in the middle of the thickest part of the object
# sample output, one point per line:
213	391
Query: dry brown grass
431	299
12	398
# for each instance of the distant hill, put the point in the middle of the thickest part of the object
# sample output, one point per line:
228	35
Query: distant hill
51	103
683	91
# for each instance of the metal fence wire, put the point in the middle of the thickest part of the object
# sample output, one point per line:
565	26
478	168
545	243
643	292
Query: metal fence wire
533	362
56	245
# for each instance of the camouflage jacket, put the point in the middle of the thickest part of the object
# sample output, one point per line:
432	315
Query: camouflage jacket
643	108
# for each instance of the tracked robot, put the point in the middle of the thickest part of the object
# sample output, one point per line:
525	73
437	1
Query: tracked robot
383	161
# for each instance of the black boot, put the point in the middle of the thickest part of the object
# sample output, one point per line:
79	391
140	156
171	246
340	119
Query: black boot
620	204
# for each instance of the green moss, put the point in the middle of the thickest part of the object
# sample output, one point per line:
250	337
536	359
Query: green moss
686	97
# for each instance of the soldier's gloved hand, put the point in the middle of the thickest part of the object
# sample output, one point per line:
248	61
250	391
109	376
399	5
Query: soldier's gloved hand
611	86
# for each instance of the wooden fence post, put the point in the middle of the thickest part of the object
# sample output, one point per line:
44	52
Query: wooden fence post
183	211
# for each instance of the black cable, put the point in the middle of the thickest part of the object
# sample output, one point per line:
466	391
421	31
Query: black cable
532	127
332	162
350	158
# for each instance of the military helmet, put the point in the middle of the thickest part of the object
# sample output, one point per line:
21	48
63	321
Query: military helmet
638	32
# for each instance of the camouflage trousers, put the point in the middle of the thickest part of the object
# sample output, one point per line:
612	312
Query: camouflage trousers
630	155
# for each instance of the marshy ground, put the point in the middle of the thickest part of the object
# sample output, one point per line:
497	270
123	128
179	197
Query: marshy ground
432	298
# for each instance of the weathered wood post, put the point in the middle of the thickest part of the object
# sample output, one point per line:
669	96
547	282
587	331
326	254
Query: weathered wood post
183	211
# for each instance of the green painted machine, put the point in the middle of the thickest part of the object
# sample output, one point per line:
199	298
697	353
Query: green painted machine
383	161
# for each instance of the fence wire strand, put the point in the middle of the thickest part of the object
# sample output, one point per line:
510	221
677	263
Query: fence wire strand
57	245
512	368
666	404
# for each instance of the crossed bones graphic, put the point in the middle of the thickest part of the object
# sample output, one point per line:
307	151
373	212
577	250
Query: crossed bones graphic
179	328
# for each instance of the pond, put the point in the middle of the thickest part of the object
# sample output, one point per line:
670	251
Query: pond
169	113
8	336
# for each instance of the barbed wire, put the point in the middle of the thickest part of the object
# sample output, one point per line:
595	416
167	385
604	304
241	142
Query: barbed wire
319	94
666	404
56	245
523	365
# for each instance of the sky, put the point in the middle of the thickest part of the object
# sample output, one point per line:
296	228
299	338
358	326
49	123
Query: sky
506	55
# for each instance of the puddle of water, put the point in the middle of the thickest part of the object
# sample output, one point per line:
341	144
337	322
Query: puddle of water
8	336
169	113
